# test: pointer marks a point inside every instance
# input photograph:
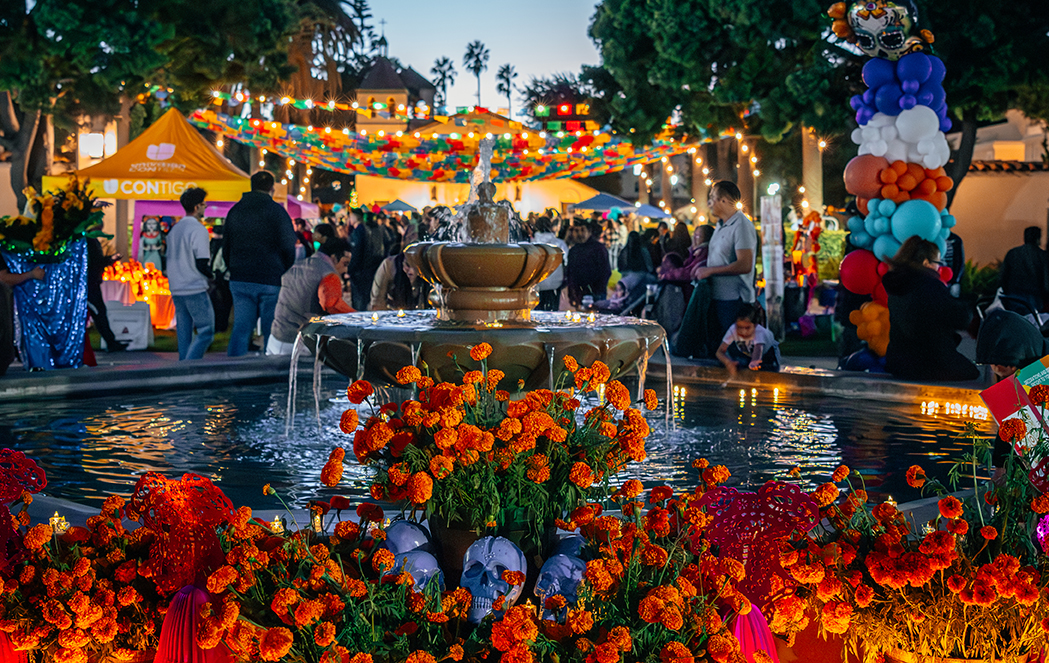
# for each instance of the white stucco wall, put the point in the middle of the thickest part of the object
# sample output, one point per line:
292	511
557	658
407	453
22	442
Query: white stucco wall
993	209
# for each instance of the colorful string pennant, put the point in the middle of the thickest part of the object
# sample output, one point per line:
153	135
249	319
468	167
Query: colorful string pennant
444	157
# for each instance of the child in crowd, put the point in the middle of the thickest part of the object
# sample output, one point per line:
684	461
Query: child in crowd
747	344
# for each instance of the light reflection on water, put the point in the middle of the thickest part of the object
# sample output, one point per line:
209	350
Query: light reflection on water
235	435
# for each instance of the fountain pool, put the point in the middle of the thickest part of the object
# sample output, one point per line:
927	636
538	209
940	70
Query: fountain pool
235	435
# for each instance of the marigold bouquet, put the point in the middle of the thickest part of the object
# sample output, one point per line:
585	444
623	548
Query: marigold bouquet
470	455
50	221
968	583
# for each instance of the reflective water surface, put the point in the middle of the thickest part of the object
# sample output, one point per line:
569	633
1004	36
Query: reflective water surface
91	448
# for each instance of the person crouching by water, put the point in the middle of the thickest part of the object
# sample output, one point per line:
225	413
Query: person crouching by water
924	318
311	287
397	286
747	344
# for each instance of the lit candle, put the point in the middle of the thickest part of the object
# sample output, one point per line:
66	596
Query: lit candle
59	524
277	526
591	317
375	317
317	522
400	314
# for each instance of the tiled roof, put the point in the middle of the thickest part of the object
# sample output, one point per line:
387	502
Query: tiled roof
1008	166
382	75
415	81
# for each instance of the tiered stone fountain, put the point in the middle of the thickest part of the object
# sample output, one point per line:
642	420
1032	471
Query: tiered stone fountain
484	291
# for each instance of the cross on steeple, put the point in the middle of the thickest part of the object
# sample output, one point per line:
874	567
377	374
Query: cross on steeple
383	45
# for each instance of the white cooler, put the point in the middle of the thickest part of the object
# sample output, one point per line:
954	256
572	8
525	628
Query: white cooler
132	324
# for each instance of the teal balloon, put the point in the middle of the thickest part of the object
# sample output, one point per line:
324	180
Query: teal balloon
885	207
869	225
941	244
856	224
882	225
861	239
885	247
916	217
947	220
945	233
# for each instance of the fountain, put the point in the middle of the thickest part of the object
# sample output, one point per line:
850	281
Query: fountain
484	291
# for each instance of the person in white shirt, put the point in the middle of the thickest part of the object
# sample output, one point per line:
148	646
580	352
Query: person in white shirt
189	268
732	250
747	344
550	287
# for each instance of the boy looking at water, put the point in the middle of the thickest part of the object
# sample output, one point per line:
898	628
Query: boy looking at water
748	344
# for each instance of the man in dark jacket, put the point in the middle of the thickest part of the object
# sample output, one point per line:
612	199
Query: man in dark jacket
588	268
1025	271
368	247
259	246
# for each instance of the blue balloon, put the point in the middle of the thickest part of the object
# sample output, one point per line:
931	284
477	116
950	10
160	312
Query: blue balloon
916	217
888	99
856	224
908	101
925	98
945	125
914	67
938	71
870	225
864	115
856	102
885	207
885	247
868	95
910	87
945	233
947	220
878	72
861	240
882	225
937	92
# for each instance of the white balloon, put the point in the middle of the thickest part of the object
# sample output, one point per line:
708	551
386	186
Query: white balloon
857	136
932	162
881	120
913	155
917	123
870	133
889	132
896	150
927	146
865	148
878	148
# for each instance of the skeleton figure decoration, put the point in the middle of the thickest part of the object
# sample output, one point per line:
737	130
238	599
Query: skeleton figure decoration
483	567
404	535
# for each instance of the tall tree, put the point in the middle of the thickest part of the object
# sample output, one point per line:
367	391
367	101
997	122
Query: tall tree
443	71
505	84
475	61
84	57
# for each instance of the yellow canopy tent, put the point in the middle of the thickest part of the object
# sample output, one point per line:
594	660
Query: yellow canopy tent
165	160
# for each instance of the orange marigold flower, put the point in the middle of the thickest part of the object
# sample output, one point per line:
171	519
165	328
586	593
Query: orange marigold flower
1040	504
581	475
864	596
275	644
480	352
420	488
915	476
651	402
455	652
956	583
675	652
383	560
580	621
361	658
472	377
836	616
331	475
631	488
513	577
1039	394
620	637
989	533
722	647
599	372
441	466
617	395
950	507
840	474
825	494
358	391
324	634
408	374
37	536
348	423
570	363
1012	430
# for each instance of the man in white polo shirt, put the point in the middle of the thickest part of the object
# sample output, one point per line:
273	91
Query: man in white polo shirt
189	268
730	264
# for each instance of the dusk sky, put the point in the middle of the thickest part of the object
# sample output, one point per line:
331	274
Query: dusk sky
538	38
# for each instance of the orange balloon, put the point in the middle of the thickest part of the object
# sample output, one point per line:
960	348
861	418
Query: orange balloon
887	176
861	175
926	186
890	191
935	172
907	182
861	203
917	171
900	167
937	198
944	183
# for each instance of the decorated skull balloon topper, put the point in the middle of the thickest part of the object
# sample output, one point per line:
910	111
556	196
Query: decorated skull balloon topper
421	566
882	28
560	575
483	566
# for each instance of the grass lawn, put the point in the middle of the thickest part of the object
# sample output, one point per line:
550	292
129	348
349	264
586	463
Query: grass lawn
166	341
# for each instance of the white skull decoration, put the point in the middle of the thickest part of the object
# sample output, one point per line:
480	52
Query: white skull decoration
483	567
561	574
404	535
421	566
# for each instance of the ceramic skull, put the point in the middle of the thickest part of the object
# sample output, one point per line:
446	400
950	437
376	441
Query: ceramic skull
561	574
404	535
421	566
483	567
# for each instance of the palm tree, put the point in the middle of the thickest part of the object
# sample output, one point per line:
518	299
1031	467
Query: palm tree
476	61
505	79
444	72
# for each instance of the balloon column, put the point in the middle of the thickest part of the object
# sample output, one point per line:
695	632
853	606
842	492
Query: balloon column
898	178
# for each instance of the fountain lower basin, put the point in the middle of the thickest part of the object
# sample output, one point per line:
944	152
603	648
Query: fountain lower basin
375	345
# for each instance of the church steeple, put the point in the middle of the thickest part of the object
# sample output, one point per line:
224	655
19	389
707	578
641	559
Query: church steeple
383	45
